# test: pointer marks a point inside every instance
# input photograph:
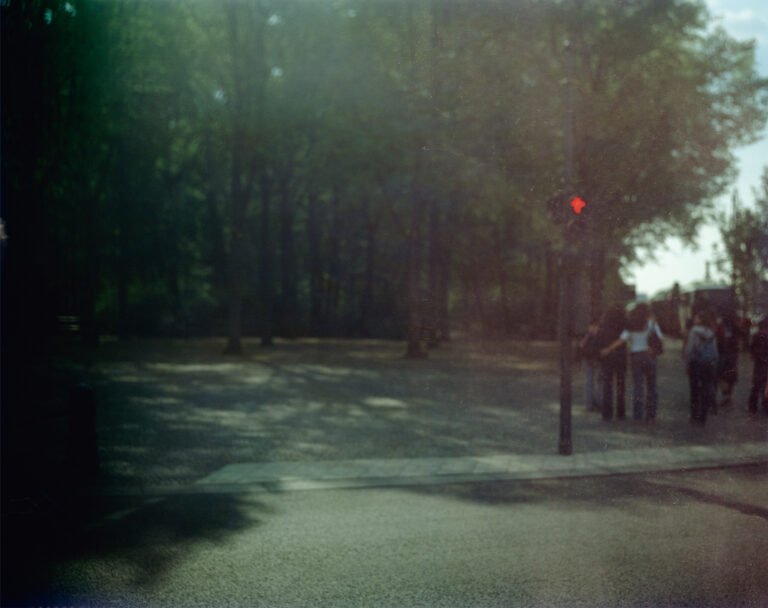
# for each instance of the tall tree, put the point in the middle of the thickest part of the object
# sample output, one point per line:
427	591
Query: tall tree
745	239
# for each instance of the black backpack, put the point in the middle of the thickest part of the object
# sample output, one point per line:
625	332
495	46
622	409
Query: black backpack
654	342
704	350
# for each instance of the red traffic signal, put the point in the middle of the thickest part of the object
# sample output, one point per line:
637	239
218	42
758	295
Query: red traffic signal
577	204
564	208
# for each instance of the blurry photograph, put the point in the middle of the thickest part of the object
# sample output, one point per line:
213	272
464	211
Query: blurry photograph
384	303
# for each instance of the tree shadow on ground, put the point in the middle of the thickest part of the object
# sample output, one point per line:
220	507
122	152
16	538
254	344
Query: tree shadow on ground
172	412
150	537
635	492
145	538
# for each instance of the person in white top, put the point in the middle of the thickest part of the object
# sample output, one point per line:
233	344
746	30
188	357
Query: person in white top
642	361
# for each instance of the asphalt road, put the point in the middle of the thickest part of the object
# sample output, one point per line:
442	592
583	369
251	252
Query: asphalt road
676	539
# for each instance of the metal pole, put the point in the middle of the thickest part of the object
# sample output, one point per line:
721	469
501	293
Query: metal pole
564	330
565	445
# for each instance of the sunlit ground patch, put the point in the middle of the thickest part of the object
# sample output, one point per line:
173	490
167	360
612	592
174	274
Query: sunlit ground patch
196	368
384	402
157	400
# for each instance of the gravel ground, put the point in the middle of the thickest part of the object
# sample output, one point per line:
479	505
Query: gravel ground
171	411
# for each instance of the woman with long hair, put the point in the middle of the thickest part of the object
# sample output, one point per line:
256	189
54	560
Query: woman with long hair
642	360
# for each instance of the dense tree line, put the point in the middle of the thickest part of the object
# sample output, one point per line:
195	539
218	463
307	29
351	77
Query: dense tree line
347	168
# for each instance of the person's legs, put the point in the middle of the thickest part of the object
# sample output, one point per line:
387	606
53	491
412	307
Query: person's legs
607	375
759	377
651	395
762	389
636	365
708	390
621	380
694	392
729	376
698	398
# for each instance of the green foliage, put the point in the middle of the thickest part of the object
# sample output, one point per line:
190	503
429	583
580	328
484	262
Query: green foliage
745	241
331	167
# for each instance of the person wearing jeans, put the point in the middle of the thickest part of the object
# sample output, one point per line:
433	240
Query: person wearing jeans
642	365
642	361
701	358
613	365
592	374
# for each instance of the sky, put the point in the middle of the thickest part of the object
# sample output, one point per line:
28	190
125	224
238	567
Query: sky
743	19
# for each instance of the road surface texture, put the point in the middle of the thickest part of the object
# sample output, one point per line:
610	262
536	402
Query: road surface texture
671	539
326	473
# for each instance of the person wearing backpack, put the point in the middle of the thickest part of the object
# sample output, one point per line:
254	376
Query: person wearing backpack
728	346
701	358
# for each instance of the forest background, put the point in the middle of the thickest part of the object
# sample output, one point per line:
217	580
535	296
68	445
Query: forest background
349	168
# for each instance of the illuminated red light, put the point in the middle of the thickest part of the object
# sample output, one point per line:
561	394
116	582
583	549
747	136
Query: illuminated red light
577	204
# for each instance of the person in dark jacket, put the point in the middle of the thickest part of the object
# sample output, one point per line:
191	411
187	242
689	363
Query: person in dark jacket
759	349
728	347
614	364
701	357
590	358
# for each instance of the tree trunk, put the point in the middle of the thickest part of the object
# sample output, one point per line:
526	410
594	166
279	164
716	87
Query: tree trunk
315	267
443	293
249	72
366	298
288	272
549	304
433	280
236	262
501	275
414	348
237	197
332	283
236	274
266	265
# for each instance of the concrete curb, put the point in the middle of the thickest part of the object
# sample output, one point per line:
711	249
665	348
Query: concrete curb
348	474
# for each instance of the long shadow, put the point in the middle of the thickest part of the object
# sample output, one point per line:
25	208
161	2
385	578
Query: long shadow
714	499
626	492
144	539
372	410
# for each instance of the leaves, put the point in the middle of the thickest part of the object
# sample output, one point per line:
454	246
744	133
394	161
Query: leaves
332	139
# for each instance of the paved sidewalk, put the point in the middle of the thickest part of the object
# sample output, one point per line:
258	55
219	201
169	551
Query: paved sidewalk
362	473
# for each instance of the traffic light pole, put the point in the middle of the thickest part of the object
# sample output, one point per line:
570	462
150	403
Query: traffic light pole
564	336
565	445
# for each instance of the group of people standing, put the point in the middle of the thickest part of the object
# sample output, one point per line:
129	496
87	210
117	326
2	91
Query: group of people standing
605	348
710	353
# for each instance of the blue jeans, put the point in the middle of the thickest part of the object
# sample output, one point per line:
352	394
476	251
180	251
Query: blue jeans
643	367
